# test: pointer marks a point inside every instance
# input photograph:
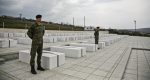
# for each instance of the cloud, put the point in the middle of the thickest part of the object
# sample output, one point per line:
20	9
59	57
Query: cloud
105	13
12	6
115	14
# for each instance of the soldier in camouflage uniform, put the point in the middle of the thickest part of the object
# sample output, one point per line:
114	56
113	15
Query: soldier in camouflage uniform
36	32
96	34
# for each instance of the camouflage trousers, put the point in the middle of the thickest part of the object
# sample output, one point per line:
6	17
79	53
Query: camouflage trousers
36	48
96	40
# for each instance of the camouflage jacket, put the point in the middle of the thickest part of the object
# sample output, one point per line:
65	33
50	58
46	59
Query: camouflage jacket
96	33
36	32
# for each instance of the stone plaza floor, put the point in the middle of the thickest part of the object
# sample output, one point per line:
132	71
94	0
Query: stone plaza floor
115	62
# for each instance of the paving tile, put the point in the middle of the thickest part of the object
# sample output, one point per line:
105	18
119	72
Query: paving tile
94	77
17	72
25	75
130	77
100	73
87	70
73	78
93	66
144	73
114	78
69	72
77	67
58	69
81	75
57	76
84	64
66	65
131	71
143	78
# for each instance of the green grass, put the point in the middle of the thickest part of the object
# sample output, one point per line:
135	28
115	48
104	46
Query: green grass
21	24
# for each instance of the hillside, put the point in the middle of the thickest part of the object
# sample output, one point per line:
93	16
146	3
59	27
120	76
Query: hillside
15	22
144	30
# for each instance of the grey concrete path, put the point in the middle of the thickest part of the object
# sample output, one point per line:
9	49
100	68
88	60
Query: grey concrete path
105	64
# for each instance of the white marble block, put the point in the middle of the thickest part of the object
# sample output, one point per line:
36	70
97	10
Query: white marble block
10	35
12	43
69	51
4	43
101	45
24	41
107	43
54	38
24	56
47	40
89	47
19	34
48	61
83	49
60	57
3	35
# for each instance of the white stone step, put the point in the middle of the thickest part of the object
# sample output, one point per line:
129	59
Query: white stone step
3	35
60	57
26	41
12	43
4	43
47	40
75	52
19	34
48	61
83	49
101	45
89	47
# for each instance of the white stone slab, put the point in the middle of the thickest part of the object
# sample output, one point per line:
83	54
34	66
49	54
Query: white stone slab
10	35
83	49
89	47
60	38
4	43
3	35
54	38
46	35
24	56
12	43
24	41
47	40
60	57
101	45
69	52
19	34
107	43
48	61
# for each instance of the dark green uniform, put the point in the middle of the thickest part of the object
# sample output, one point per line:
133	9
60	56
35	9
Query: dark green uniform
96	34
36	33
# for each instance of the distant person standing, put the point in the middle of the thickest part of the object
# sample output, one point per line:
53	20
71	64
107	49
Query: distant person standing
96	34
36	32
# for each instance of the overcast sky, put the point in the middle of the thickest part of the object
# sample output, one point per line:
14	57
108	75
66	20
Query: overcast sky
118	14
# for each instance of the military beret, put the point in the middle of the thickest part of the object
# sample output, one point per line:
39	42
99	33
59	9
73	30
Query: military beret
38	16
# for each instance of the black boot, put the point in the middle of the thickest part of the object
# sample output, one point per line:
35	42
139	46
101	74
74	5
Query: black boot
33	70
40	68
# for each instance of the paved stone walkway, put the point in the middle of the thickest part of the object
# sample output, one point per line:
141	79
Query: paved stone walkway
110	63
138	67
